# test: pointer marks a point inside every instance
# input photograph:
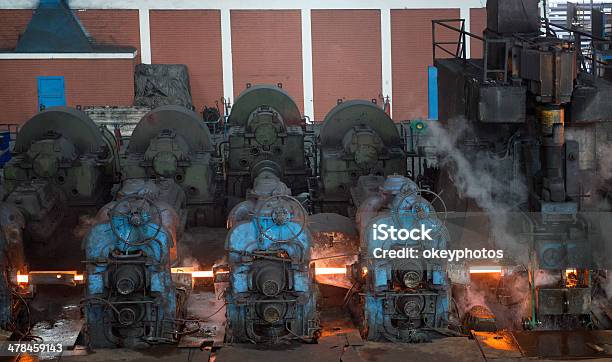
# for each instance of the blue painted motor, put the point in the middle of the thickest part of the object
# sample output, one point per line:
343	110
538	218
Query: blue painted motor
272	294
131	298
400	299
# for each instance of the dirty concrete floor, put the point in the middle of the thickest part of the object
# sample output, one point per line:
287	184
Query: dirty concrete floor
328	349
335	344
205	246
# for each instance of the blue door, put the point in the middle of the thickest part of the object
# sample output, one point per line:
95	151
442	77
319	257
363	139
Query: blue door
51	92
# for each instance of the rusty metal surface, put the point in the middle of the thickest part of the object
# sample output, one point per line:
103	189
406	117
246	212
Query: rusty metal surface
353	338
330	348
63	330
565	344
161	353
457	349
497	344
205	306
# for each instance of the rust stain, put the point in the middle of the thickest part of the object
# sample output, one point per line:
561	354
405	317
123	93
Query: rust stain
499	341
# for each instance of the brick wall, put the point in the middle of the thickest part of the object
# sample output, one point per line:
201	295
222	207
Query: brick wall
411	53
108	27
86	82
191	37
112	27
346	57
478	23
12	24
267	49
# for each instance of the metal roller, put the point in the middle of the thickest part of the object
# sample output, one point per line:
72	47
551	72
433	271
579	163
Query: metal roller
267	95
183	121
71	123
347	115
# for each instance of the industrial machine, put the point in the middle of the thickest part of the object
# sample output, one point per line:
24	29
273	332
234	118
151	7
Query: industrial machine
61	159
528	120
266	132
357	138
404	299
272	295
172	143
62	170
169	178
131	298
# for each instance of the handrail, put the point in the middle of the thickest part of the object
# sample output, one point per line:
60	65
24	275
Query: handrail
461	53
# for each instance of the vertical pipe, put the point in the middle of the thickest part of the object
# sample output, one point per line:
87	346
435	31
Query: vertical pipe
226	55
145	35
386	62
307	75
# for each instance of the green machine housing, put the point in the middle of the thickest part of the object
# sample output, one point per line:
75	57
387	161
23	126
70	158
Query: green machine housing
266	133
172	142
62	159
357	139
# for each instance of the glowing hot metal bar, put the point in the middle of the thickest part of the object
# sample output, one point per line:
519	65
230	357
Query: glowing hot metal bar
202	274
485	269
326	271
52	277
23	279
194	273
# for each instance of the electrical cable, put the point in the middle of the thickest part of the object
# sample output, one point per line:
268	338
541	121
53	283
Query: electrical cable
27	335
103	301
212	315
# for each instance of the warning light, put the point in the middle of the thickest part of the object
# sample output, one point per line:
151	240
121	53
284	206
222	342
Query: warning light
418	126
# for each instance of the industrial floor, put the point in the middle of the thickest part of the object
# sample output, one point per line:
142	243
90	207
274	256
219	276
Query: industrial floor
340	339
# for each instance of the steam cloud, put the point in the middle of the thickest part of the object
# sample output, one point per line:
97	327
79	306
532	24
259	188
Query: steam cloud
489	180
484	177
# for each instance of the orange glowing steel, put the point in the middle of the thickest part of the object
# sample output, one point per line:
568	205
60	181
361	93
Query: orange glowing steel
485	269
325	271
22	279
194	273
56	272
571	278
202	274
59	274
